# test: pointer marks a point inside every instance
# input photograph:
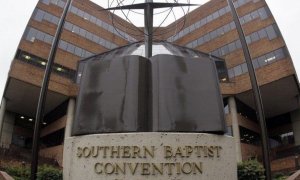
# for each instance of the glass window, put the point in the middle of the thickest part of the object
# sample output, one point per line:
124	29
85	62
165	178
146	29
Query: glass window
213	34
93	19
248	39
232	25
209	18
200	41
80	13
55	20
244	67
48	39
86	16
39	15
242	20
68	26
270	57
48	17
192	27
31	34
78	51
215	15
231	47
220	31
40	36
222	11
271	32
206	38
262	33
279	54
262	61
237	70
96	39
61	4
255	63
63	45
247	18
197	24
224	50
71	48
238	44
226	28
89	35
194	43
82	32
262	13
230	73
254	37
99	22
74	9
75	29
254	14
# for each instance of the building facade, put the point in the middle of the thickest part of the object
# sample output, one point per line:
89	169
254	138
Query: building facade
209	28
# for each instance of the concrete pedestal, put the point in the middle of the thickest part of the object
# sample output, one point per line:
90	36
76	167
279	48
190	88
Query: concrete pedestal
153	155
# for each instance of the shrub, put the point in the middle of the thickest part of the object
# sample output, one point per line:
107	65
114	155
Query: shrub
250	170
47	172
18	172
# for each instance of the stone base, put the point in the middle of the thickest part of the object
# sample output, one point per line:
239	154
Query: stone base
154	155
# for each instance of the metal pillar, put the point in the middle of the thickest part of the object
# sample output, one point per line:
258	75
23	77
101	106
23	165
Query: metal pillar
70	117
235	128
43	93
148	20
2	113
256	91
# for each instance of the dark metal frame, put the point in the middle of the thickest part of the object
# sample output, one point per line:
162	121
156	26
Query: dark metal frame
43	93
256	91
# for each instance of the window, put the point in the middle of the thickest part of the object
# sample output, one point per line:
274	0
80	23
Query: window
75	29
262	33
226	28
209	18
271	32
40	36
231	47
86	16
244	68
262	61
238	44
63	45
213	34
232	25
39	15
200	41
89	35
82	32
254	14
237	70
93	19
215	15
68	26
255	64
262	13
248	39
80	13
220	31
254	37
230	73
279	54
48	17
78	51
222	12
48	39
74	9
71	48
206	38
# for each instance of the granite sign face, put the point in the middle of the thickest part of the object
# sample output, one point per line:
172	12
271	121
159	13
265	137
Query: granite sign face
150	156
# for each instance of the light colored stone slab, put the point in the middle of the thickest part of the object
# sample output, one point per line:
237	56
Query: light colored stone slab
195	156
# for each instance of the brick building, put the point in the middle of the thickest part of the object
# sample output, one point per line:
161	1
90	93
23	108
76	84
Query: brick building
209	29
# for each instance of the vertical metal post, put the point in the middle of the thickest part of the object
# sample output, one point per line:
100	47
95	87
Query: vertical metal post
43	93
256	91
148	20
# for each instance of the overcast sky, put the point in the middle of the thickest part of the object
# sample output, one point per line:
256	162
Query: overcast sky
15	14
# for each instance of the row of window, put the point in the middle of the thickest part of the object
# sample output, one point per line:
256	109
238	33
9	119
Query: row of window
262	13
259	62
90	36
40	62
59	3
40	15
269	32
101	23
207	19
92	19
31	34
